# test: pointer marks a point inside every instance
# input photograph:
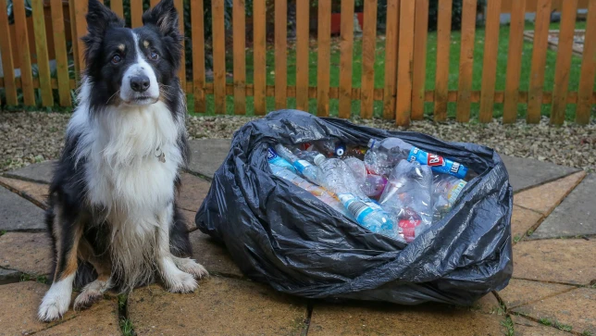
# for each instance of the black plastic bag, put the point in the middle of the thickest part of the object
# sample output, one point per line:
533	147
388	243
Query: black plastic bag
280	234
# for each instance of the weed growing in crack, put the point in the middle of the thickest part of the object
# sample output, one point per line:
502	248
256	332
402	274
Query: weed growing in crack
508	324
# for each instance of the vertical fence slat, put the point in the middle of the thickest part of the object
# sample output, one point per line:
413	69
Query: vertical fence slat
404	64
238	26
136	13
259	50
61	53
489	70
442	72
538	60
10	87
391	43
588	70
117	7
80	11
563	65
466	60
514	58
22	39
182	71
281	62
219	56
73	31
302	69
324	57
420	45
41	48
153	3
369	41
198	54
345	62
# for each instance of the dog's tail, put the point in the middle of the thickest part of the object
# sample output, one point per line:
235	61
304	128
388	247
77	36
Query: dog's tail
85	274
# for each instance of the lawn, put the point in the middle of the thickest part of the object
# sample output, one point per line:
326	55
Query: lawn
430	76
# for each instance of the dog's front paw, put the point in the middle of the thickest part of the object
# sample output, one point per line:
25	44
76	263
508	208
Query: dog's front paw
53	307
190	266
87	298
181	282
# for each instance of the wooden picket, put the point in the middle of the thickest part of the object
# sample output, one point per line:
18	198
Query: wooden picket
402	97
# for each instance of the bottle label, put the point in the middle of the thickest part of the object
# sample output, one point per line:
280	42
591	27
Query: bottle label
438	163
277	160
355	206
301	165
408	227
455	191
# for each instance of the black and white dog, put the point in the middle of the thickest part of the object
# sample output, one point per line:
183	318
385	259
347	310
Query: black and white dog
113	216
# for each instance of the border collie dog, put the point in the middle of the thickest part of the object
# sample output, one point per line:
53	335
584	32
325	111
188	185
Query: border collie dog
113	218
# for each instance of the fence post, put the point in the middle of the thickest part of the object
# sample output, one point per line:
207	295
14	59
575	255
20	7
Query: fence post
489	71
420	45
443	46
391	50
369	41
404	66
466	60
281	63
10	87
345	63
324	38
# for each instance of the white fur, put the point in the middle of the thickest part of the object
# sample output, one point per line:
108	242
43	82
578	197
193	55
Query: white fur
92	292
141	67
55	302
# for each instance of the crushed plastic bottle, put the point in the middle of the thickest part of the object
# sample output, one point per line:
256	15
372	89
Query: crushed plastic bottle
303	167
385	154
338	178
306	155
330	148
358	169
370	184
277	160
320	193
407	197
446	189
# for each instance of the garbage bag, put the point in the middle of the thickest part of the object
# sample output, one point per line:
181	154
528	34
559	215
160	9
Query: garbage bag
280	234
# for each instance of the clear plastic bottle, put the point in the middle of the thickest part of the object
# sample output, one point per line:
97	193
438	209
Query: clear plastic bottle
371	185
338	178
304	168
446	189
407	197
331	148
320	193
306	155
277	160
385	154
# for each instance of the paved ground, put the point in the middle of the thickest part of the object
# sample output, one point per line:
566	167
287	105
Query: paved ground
553	290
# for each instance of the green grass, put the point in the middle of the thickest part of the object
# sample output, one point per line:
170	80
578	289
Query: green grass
508	325
431	60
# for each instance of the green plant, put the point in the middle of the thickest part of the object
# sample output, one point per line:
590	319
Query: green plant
508	324
2	233
587	333
564	327
126	327
545	321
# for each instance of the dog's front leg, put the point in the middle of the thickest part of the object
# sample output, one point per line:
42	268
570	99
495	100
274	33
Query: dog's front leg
175	280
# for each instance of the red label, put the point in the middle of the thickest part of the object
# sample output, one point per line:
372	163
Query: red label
305	146
408	227
435	160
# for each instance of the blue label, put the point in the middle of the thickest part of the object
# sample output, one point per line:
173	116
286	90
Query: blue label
437	163
301	165
277	160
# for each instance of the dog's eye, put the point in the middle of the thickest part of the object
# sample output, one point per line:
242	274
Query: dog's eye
116	59
153	55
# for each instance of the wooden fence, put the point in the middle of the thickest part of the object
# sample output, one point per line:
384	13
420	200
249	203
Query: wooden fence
403	95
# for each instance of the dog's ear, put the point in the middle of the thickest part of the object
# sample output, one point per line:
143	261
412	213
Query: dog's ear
100	18
164	16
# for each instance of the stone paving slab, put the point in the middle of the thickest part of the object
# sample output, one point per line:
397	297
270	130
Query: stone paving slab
360	318
523	220
207	155
520	292
221	306
525	173
559	260
18	214
26	252
213	256
525	327
38	172
99	320
189	218
575	308
37	193
546	197
9	276
575	216
192	192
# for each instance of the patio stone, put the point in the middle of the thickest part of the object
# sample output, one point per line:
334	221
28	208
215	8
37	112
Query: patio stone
520	292
192	192
546	197
361	318
207	155
38	172
18	214
526	327
560	260
526	173
487	304
213	255
189	218
220	306
26	252
100	319
575	216
523	220
37	193
574	308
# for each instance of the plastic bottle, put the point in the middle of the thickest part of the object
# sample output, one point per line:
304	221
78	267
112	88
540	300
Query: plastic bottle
277	160
320	193
371	185
407	197
338	178
358	169
303	167
385	154
446	189
306	155
330	148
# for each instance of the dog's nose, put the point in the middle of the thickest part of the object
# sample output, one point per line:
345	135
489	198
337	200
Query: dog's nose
139	83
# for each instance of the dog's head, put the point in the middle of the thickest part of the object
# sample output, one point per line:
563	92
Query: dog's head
132	66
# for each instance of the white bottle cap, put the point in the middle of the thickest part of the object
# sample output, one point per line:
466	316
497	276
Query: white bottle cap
371	143
319	159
